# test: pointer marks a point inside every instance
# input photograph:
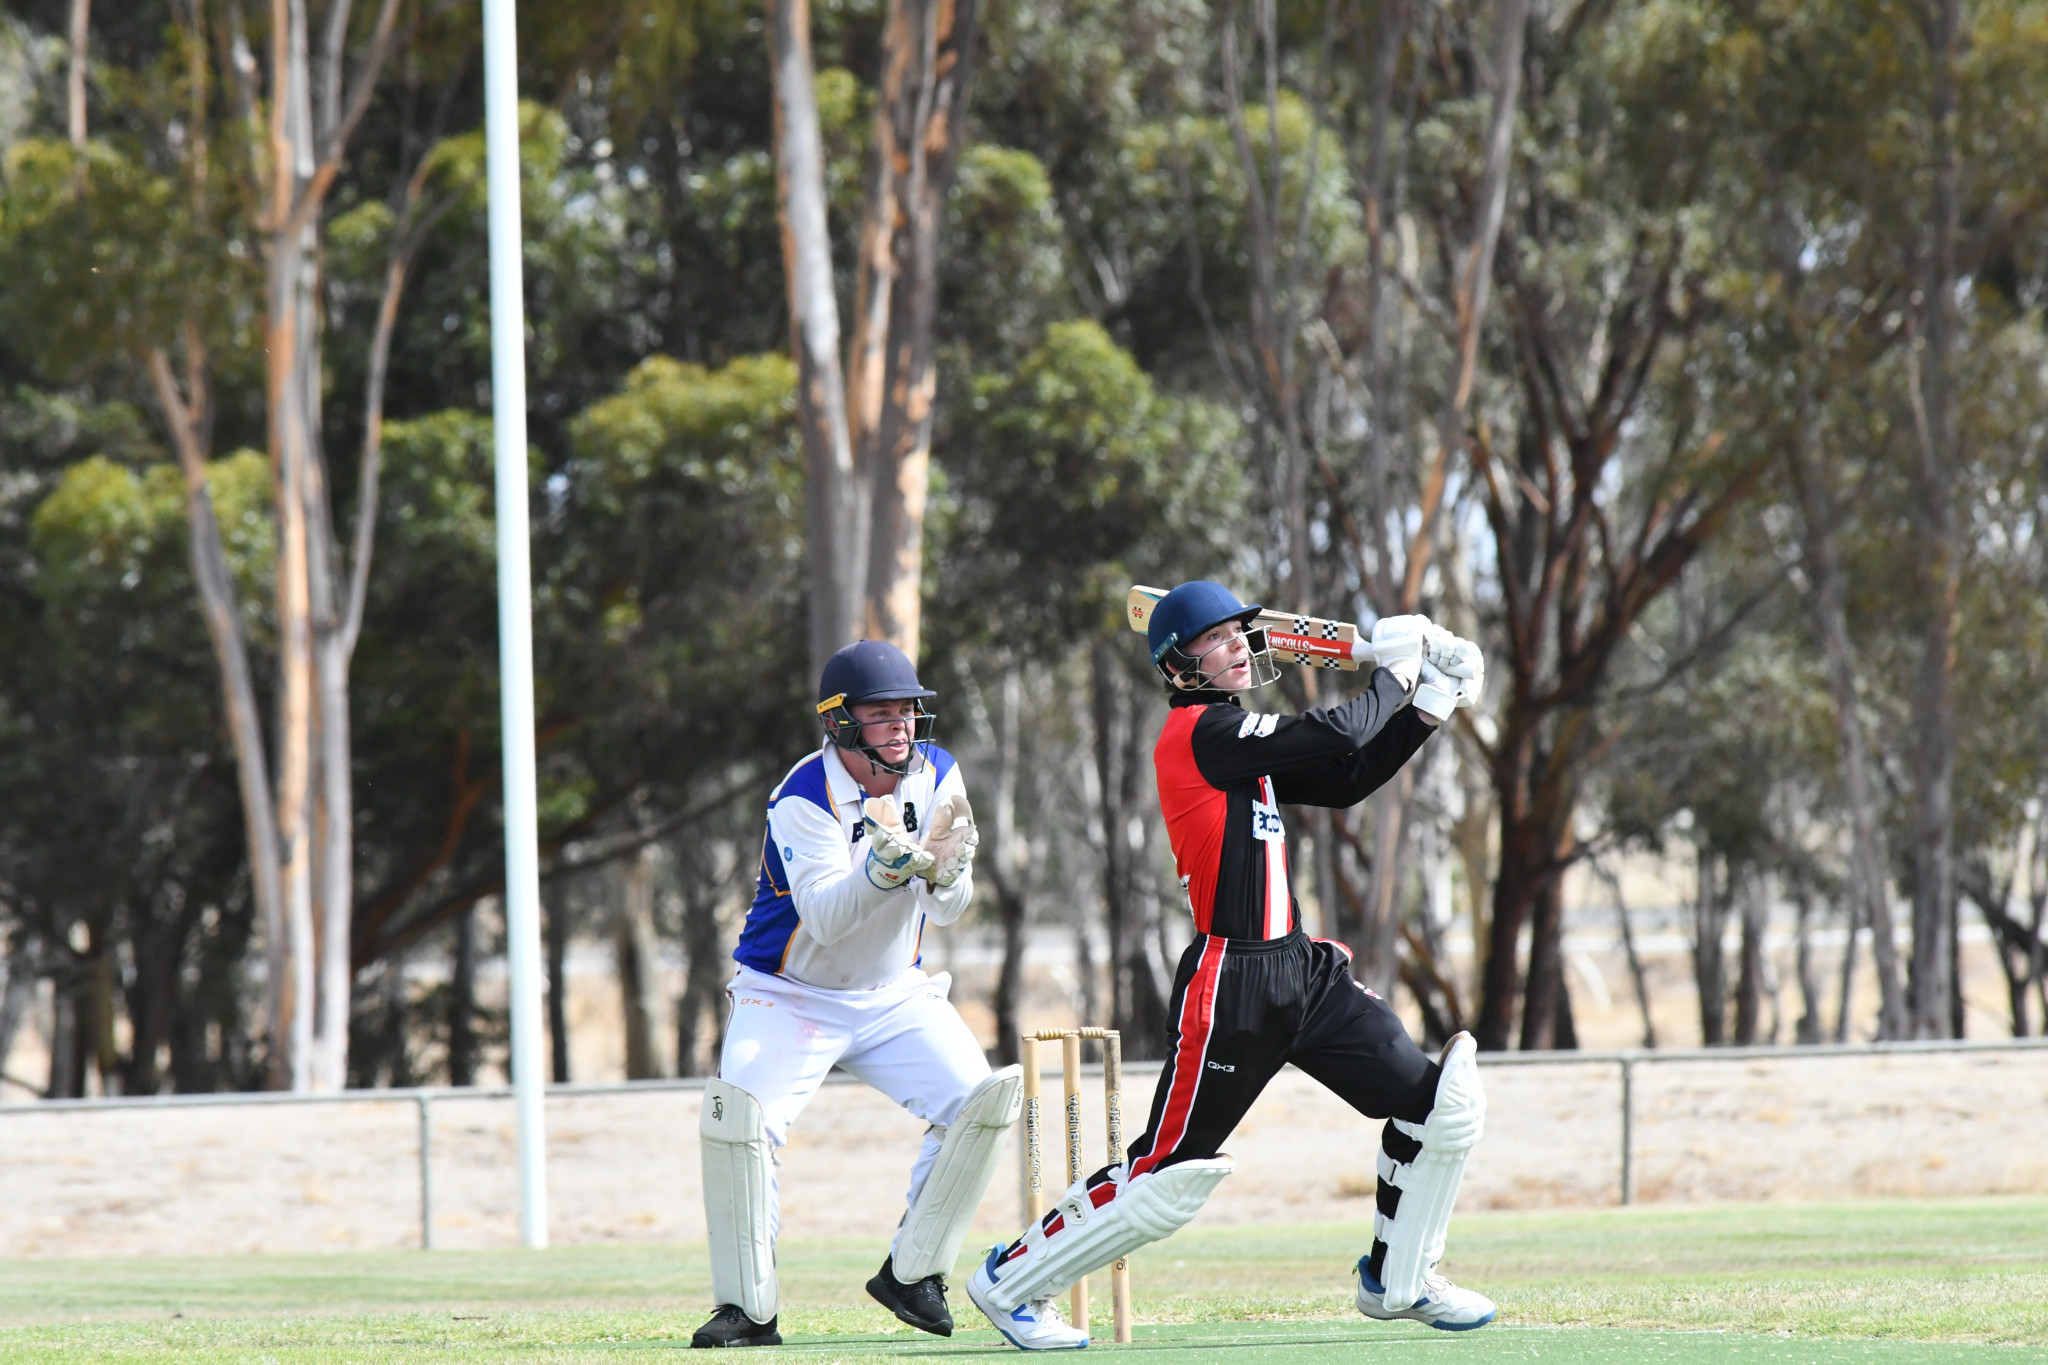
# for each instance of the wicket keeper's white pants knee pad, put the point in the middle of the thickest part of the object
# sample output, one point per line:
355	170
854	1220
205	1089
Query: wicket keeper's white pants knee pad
929	1241
1429	1183
1092	1226
739	1183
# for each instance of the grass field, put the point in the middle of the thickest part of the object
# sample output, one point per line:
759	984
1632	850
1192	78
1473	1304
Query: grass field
1877	1282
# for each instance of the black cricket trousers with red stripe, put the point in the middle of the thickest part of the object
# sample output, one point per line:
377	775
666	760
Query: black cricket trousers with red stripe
1243	1008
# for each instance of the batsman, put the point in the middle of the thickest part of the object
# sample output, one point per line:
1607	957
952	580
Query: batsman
869	839
1253	992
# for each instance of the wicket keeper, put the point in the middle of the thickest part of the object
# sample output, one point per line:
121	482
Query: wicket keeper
869	839
1254	992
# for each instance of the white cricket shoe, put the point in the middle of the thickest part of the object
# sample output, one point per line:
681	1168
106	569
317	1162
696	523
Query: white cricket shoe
1035	1326
1443	1305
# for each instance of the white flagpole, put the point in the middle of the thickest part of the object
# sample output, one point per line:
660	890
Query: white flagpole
515	611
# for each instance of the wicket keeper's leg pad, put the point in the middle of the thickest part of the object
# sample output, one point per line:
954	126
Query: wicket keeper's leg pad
739	1182
937	1223
1102	1217
1419	1179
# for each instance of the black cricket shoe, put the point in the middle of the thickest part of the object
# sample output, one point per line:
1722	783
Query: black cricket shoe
730	1326
922	1305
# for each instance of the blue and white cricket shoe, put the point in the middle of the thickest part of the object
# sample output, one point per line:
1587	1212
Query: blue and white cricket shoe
1443	1305
1035	1326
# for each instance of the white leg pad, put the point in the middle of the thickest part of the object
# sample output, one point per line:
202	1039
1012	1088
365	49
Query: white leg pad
739	1183
1089	1228
1429	1185
929	1241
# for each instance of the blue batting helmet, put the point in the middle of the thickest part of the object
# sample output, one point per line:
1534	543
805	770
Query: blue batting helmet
1181	617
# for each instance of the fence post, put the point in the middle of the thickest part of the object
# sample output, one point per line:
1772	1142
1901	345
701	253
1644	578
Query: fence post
426	1171
1628	1134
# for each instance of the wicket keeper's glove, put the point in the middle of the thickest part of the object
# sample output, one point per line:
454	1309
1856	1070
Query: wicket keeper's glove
952	841
892	858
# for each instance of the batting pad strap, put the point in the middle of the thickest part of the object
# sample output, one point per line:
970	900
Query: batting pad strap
1428	1185
739	1182
1100	1219
929	1241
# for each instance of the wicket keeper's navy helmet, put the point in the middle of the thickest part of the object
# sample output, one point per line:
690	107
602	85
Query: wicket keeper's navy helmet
873	670
1181	617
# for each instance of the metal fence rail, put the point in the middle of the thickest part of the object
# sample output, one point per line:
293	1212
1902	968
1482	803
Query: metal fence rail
1626	1064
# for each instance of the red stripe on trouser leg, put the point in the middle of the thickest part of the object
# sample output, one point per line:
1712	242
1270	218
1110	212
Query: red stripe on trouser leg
1197	1017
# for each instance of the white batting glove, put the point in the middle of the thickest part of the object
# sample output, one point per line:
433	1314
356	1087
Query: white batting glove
892	858
1436	693
1451	654
1439	691
952	841
1398	643
1469	667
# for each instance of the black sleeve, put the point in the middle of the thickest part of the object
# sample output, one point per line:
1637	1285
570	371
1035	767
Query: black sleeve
1233	747
1349	780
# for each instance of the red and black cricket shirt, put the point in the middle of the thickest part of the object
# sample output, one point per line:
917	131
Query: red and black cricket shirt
1224	773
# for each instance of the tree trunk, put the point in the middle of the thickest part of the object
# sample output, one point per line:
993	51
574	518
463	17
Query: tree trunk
1112	818
1380	210
867	428
1473	286
1869	898
639	970
1808	1031
1546	1004
334	890
67	1042
1635	959
835	496
1377	947
184	415
698	1017
16	999
1710	970
1514	890
74	84
920	127
462	1040
557	931
1007	871
1933	1001
293	986
1753	978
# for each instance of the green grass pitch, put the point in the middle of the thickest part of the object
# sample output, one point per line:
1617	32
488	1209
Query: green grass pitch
1877	1282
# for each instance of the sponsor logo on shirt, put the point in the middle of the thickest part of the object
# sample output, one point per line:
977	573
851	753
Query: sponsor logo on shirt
1219	1066
1256	727
1266	821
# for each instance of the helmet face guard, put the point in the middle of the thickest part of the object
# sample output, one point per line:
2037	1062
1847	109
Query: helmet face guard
1184	670
850	734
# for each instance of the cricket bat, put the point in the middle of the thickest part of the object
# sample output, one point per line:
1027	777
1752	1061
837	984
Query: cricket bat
1309	641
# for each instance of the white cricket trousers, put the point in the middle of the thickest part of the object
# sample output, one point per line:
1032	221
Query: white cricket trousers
905	1039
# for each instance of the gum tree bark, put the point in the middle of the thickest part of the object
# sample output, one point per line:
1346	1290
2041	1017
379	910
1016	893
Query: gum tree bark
1470	293
1870	900
835	500
1934	1002
920	125
74	78
867	426
1709	959
639	969
315	810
